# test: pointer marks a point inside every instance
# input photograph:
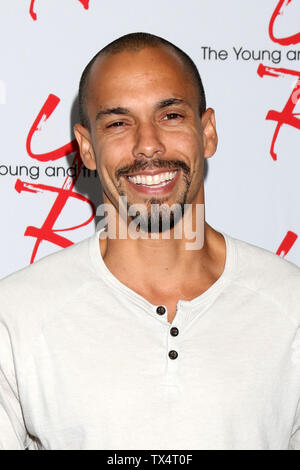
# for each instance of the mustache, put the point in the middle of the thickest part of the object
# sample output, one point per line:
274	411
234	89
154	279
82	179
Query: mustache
145	165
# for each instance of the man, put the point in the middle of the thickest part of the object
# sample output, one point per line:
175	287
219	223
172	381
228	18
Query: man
143	341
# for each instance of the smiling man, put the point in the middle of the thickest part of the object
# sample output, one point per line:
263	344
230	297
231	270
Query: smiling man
147	131
138	340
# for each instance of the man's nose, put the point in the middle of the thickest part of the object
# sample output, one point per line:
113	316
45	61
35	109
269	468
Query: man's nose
148	141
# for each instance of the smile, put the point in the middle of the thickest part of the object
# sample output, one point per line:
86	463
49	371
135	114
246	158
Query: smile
153	181
160	184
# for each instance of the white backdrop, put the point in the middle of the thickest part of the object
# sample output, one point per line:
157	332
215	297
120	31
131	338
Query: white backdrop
45	45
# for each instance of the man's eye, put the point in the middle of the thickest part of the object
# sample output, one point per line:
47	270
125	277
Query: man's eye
172	116
116	124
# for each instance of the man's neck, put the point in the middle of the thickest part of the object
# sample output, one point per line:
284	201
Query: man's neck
164	268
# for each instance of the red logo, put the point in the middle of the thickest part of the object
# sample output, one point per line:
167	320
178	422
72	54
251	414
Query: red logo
287	244
85	4
286	116
63	194
279	10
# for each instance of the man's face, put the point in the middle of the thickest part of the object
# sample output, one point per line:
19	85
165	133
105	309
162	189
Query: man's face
146	135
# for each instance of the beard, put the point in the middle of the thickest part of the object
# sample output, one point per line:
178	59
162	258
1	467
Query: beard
160	218
155	215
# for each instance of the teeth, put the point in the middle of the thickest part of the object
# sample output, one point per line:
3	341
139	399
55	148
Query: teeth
149	180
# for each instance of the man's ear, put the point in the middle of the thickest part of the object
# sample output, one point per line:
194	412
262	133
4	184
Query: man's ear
83	138
210	137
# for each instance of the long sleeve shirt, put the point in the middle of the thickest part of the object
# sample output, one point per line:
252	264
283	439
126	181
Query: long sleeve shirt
88	363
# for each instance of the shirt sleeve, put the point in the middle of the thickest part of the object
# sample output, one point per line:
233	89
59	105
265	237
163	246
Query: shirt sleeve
294	443
13	434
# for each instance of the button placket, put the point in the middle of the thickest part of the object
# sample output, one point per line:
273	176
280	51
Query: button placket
173	355
173	351
173	343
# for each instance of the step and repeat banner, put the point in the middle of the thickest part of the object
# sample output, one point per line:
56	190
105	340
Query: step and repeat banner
248	54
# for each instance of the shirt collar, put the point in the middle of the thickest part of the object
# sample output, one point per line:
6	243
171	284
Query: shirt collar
198	303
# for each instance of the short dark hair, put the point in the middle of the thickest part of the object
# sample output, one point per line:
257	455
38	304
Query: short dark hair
135	42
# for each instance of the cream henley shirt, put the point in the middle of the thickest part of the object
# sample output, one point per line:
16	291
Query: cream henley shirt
87	363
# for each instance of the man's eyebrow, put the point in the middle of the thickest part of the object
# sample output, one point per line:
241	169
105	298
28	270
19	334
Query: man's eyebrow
108	111
169	102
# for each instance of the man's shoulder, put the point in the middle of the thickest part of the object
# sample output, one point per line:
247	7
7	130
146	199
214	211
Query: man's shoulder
268	275
257	260
47	282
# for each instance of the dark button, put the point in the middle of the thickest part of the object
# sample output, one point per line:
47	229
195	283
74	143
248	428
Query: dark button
174	331
160	310
173	354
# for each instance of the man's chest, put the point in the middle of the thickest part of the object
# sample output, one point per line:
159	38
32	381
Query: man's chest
94	382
